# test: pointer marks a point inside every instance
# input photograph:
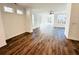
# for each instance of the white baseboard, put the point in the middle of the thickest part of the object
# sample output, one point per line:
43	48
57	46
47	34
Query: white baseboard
73	38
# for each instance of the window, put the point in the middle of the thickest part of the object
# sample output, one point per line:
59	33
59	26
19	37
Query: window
19	12
8	9
61	17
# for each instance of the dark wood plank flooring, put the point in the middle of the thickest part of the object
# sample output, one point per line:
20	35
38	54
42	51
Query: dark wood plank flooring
43	41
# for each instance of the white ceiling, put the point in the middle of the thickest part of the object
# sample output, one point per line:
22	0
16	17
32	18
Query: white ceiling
45	6
35	5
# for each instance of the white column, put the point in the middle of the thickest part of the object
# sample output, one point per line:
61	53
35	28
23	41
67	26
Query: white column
68	13
29	20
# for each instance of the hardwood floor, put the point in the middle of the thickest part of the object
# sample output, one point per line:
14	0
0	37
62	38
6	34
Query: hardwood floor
43	41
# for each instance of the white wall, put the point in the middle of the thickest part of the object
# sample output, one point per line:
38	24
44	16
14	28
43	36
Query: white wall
68	13
2	34
74	22
37	20
14	24
28	20
44	18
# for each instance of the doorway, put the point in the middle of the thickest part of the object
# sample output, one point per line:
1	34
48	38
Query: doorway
48	22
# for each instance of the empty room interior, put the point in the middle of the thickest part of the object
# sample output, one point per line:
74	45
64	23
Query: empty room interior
39	28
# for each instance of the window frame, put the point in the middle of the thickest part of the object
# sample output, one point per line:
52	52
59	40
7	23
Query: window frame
19	12
8	9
